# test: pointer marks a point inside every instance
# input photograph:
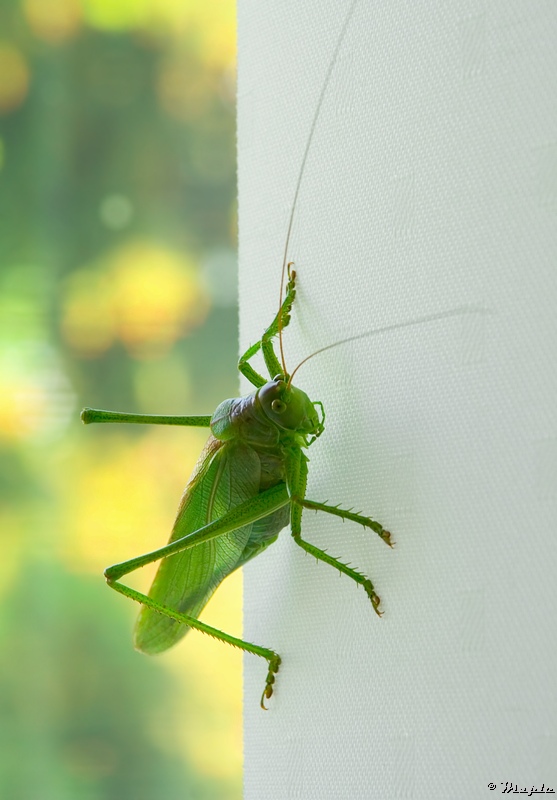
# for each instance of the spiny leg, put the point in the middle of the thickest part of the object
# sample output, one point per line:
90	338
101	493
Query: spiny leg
321	555
344	513
272	658
281	321
367	522
297	478
245	513
265	344
256	508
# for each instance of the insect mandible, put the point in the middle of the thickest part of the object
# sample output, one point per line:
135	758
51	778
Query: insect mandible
249	483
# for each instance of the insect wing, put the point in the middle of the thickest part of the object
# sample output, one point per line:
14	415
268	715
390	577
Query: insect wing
226	474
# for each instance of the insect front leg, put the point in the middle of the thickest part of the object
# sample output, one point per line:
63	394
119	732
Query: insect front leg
297	479
265	344
344	513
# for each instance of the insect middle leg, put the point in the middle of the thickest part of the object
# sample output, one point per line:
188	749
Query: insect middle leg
265	344
297	486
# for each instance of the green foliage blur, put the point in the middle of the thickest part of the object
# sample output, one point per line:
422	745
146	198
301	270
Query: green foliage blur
117	290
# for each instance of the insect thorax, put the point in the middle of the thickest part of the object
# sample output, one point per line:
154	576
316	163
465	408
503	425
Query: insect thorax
242	419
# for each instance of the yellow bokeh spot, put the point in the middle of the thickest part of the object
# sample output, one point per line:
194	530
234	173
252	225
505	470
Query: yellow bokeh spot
145	295
35	396
158	298
87	316
209	28
53	21
112	15
120	507
14	78
23	403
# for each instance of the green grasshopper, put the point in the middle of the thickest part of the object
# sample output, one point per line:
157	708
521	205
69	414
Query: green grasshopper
249	483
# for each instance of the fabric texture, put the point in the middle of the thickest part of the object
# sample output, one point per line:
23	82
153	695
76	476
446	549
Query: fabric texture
430	188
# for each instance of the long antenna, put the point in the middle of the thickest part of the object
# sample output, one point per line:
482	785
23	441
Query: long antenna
303	165
454	312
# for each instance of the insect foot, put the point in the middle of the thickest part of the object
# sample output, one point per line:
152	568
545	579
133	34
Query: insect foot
386	536
373	596
274	665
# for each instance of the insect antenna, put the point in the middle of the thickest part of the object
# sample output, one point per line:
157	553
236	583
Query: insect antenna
301	172
454	312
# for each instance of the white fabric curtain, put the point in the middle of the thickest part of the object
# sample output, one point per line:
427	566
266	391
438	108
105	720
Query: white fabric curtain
430	187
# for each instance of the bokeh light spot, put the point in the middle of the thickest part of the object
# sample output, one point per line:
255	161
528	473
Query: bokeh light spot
53	21
116	211
87	317
119	504
158	296
145	295
14	78
109	15
35	397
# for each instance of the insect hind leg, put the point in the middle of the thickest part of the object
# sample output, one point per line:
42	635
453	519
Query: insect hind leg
273	659
265	344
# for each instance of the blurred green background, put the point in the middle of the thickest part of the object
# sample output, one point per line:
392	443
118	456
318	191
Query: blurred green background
117	290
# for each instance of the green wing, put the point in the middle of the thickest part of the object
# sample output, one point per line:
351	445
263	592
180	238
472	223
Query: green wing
227	474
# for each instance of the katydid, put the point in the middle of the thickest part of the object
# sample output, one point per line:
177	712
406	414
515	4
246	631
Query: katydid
249	483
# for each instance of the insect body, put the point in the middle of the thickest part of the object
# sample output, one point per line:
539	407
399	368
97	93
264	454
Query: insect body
249	482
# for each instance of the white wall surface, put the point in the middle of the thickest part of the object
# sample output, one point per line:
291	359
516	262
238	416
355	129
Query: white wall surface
431	185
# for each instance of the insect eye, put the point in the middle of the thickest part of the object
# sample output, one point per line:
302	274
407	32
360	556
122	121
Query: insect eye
278	406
